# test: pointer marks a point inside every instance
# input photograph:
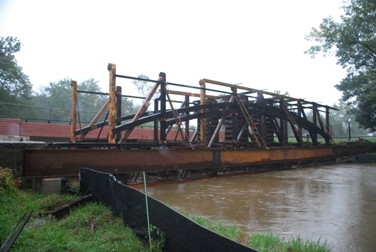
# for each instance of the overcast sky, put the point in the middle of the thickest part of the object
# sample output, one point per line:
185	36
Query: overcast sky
257	43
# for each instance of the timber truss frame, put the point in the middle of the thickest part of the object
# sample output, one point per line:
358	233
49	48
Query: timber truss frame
250	118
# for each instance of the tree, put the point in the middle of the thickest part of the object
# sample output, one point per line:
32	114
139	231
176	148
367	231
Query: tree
353	42
59	100
143	87
340	120
54	101
89	104
15	87
38	105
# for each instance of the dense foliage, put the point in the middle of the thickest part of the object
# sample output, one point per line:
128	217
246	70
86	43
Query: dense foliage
54	101
353	42
14	84
341	121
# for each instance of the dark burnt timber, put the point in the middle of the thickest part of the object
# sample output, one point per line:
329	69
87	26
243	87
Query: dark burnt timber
240	126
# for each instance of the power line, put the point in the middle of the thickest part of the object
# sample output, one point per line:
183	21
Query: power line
33	106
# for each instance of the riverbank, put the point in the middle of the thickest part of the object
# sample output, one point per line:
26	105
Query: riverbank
93	228
88	228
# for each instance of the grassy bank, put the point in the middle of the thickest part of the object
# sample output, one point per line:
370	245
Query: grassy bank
263	242
88	228
93	228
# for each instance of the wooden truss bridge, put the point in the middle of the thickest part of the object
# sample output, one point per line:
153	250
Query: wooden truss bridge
254	126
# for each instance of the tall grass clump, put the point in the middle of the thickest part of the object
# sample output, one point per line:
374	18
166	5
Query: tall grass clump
269	242
6	180
263	242
87	228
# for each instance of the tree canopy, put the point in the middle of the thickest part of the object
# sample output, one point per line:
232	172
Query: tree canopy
54	101
353	42
15	86
143	87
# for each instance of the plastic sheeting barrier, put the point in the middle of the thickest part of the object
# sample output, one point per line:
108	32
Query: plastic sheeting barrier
181	233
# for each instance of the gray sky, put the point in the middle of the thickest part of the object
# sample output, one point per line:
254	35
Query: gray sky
257	43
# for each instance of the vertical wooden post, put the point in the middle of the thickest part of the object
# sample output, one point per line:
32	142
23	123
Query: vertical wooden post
202	102
327	121
162	83
284	131
187	121
300	111
118	110
142	109
156	122
314	121
73	110
262	123
112	106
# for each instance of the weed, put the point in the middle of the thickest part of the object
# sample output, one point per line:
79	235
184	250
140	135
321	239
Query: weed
158	239
6	180
53	201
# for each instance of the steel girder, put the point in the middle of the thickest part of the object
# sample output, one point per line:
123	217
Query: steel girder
47	163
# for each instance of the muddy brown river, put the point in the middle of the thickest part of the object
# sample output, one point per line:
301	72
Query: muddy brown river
336	203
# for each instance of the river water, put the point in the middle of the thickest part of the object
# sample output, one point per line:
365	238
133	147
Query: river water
336	203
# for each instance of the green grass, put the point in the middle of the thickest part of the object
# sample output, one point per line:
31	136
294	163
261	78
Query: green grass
271	242
263	242
88	228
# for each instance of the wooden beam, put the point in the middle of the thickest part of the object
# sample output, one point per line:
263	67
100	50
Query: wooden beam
112	105
73	111
95	119
142	109
173	92
202	102
251	90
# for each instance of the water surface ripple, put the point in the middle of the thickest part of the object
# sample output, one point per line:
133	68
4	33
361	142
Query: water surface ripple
336	203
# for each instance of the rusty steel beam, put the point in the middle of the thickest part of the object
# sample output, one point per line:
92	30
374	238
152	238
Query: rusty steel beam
351	150
49	163
16	231
272	156
65	209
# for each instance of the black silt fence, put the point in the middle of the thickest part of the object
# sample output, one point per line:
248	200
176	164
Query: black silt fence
181	233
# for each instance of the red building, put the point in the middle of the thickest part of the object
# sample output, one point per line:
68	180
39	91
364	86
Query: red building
15	129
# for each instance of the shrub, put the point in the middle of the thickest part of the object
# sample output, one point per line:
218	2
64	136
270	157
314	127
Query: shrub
6	179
